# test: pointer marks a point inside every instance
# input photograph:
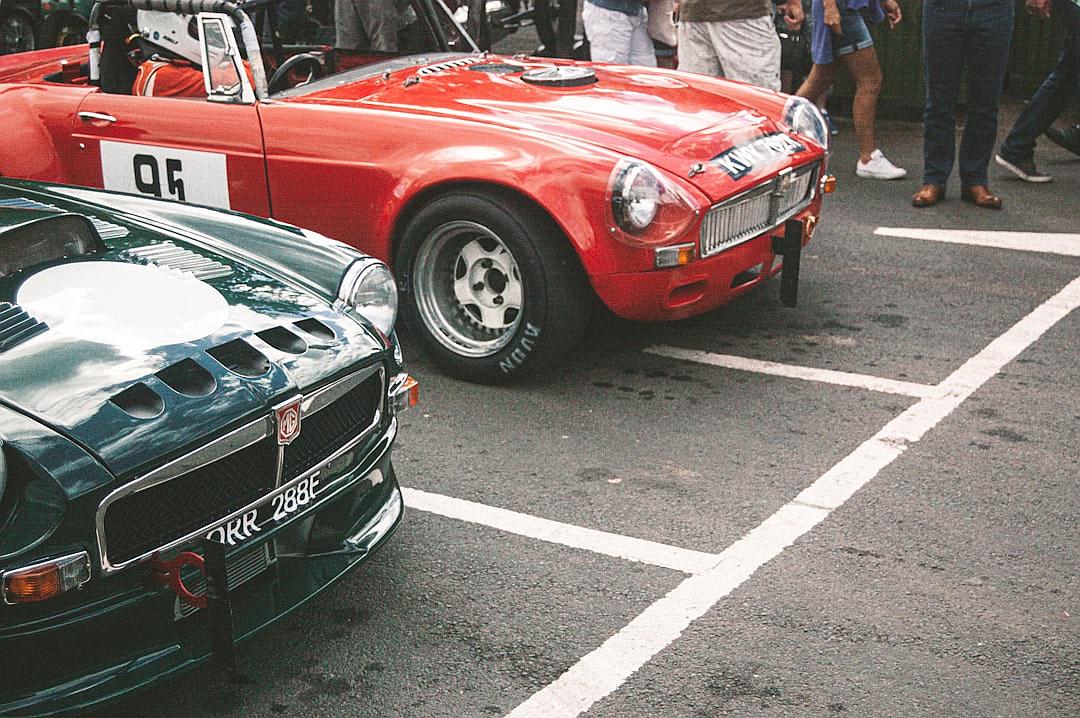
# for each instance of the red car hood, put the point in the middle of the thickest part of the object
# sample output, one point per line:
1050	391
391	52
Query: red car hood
672	120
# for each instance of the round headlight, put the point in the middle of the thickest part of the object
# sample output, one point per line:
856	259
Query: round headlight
805	118
635	196
370	290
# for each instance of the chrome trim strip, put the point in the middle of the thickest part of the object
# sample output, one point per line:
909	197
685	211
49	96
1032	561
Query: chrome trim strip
238	440
333	391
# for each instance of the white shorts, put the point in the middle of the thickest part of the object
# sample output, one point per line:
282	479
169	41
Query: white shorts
745	50
616	37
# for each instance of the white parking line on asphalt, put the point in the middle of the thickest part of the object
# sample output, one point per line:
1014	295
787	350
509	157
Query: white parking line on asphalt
609	544
792	371
607	667
1048	242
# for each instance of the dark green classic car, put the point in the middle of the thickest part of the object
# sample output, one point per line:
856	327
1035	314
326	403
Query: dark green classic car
196	415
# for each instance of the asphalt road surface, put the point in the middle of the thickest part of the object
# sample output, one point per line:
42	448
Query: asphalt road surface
632	534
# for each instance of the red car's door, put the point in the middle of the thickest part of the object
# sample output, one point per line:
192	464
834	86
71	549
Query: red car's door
175	148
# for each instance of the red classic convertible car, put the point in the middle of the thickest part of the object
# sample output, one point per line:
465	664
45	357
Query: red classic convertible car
506	192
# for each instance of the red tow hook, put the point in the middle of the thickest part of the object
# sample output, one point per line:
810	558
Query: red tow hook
167	573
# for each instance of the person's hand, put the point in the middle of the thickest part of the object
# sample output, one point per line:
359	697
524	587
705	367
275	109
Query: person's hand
832	17
1039	8
893	14
793	15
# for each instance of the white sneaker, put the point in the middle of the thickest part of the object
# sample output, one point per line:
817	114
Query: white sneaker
879	167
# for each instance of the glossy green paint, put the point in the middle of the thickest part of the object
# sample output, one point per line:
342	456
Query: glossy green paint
67	445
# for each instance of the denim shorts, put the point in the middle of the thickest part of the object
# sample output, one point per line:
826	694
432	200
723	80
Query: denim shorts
854	32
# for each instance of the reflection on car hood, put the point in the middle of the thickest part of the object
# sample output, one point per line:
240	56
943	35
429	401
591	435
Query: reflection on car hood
153	345
660	115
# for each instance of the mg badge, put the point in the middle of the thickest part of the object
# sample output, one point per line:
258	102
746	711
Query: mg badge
288	422
785	181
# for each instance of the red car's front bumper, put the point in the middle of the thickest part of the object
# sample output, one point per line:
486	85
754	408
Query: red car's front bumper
704	284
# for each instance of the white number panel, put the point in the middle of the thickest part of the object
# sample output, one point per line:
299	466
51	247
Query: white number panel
185	175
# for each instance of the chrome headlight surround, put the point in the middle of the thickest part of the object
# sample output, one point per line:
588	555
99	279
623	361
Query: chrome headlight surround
635	195
803	117
645	207
368	289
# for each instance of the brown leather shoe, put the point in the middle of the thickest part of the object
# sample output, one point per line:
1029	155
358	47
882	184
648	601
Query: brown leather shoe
928	195
981	196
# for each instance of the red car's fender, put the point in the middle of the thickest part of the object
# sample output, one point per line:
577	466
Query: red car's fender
322	178
36	122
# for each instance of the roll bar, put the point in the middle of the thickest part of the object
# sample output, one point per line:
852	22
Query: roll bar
189	7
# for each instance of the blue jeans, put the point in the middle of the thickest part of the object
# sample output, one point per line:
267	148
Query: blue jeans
1057	90
975	33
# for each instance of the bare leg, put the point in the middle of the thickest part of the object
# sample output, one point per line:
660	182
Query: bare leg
817	82
864	69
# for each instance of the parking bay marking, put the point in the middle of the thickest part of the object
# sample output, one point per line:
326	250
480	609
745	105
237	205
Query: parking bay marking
606	668
791	371
602	542
1047	242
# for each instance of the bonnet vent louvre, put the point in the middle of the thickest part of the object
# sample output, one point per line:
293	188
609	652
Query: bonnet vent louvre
169	256
448	65
16	326
240	358
106	230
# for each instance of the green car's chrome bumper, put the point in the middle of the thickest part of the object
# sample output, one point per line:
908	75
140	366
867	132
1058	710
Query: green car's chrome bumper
112	649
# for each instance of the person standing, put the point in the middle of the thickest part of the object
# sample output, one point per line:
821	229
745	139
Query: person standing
366	25
1061	86
618	32
557	42
841	31
975	34
735	39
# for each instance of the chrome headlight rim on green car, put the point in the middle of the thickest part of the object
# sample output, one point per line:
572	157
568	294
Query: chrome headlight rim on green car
803	117
368	289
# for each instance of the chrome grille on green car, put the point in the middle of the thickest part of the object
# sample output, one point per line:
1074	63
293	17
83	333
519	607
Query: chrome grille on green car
324	432
144	520
757	210
186	498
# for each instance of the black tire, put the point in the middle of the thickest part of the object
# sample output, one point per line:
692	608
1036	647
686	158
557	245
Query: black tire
62	29
528	305
17	31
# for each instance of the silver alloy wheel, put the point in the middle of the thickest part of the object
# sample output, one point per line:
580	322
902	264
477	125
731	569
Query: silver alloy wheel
468	288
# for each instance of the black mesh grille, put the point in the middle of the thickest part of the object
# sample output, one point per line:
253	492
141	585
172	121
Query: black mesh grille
153	517
325	431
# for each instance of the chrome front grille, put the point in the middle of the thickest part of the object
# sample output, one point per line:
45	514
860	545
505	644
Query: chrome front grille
185	499
757	210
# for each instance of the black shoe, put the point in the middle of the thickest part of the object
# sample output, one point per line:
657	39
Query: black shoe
1024	169
1067	137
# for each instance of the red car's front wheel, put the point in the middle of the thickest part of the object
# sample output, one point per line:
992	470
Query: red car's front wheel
490	286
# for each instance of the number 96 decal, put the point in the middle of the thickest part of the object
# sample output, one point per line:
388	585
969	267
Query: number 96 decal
166	172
